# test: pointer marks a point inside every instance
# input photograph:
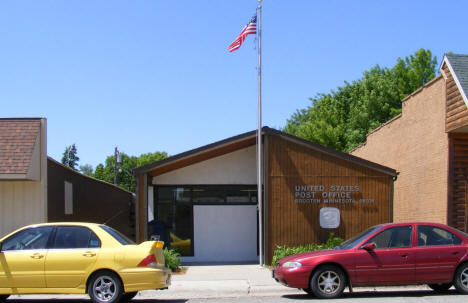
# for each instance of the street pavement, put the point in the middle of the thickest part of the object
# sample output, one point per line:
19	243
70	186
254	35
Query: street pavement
252	283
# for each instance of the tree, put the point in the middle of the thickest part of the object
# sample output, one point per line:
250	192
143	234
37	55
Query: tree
86	169
342	118
70	157
415	71
125	179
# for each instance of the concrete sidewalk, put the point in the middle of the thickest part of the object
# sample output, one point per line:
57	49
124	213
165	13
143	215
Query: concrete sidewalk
209	281
223	281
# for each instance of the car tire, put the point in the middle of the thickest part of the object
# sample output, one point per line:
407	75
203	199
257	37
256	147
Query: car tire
105	287
128	296
3	298
461	278
328	282
440	287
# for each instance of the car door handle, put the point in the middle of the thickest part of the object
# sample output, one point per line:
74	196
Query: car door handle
404	255
37	256
454	253
89	254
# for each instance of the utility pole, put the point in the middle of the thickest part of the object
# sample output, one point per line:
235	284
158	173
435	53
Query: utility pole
116	154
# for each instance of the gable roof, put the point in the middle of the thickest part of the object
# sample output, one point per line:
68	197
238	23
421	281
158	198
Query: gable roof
18	138
247	139
458	66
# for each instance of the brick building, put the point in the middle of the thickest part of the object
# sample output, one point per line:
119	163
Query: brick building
428	145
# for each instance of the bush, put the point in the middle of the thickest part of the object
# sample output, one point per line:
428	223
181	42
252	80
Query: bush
284	251
172	259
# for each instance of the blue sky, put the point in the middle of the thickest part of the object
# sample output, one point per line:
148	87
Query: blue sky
156	75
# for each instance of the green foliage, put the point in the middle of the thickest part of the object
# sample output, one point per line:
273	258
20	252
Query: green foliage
342	118
125	179
172	259
284	251
87	169
70	157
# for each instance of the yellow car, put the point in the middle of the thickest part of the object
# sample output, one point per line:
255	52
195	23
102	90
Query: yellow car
79	258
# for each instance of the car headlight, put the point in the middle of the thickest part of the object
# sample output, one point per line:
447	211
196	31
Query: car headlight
291	264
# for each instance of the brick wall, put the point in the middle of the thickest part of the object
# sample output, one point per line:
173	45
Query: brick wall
416	145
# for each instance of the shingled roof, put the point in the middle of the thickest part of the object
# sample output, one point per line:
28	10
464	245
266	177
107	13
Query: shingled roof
17	141
458	65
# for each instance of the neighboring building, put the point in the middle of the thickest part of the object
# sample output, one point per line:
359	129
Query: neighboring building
204	202
23	173
72	196
428	145
36	189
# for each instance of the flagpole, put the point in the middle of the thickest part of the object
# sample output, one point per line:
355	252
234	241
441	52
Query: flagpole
259	136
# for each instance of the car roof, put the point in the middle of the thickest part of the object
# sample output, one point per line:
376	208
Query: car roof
86	224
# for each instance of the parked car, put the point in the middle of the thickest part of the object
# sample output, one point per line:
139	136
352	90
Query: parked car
387	254
79	258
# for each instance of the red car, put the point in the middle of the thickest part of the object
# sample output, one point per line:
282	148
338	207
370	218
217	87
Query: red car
387	254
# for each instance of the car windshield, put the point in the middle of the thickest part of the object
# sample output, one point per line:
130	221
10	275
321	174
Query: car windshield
123	239
352	242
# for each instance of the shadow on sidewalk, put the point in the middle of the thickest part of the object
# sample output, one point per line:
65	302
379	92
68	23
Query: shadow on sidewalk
381	294
146	300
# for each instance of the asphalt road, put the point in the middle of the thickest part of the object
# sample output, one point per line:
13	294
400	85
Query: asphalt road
411	296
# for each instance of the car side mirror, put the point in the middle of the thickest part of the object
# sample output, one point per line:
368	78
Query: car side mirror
368	246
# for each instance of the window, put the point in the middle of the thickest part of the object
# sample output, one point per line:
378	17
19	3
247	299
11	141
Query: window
31	238
394	237
433	236
69	237
173	213
352	242
124	240
68	198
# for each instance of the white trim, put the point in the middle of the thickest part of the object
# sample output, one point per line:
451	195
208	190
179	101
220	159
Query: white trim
460	88
21	177
34	170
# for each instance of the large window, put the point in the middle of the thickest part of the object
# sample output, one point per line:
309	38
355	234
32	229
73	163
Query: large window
173	221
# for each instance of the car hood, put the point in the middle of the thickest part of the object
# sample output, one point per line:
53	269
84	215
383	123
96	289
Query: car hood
311	254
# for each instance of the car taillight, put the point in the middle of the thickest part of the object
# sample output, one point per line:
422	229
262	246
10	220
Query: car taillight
148	261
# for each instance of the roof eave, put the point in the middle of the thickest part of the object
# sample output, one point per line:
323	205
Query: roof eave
455	78
15	177
195	152
338	154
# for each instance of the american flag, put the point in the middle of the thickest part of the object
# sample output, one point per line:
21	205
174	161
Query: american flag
250	28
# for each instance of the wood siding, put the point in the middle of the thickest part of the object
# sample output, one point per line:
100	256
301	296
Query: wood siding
456	110
93	200
21	203
457	214
290	223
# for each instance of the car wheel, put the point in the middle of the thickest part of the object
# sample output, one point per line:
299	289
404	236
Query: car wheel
105	287
128	296
461	279
440	287
3	298
328	281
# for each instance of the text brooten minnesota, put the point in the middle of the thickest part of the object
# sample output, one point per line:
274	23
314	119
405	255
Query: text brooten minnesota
334	194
